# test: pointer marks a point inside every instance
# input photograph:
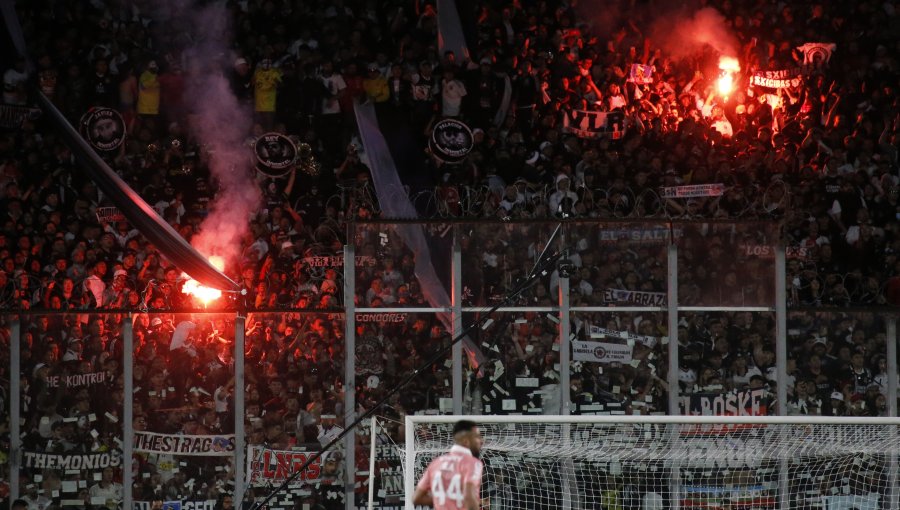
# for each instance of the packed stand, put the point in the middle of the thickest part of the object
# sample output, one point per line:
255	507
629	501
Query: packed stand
821	157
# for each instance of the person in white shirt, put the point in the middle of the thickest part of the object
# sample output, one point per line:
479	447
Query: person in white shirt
107	489
562	192
720	123
94	283
334	84
452	93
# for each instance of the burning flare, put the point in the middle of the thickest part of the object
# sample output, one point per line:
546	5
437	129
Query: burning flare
729	66
204	294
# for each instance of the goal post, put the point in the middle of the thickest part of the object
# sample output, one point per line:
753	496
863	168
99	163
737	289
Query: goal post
672	462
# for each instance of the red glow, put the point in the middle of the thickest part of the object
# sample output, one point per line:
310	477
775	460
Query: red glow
204	294
725	84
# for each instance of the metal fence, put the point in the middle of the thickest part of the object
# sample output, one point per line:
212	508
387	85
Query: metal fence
657	317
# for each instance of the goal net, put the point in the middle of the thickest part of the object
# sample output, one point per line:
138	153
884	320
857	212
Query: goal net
660	462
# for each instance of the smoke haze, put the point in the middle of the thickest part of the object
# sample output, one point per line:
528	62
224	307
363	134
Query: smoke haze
691	34
681	30
221	125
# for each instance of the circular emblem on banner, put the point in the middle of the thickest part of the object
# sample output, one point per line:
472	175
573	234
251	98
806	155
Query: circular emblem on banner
103	128
275	153
599	352
451	141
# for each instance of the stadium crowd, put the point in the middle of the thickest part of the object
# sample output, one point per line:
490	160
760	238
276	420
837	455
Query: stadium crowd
819	159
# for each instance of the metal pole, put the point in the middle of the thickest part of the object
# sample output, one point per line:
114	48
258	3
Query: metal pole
565	343
15	407
349	369
409	468
672	315
457	318
128	411
240	439
672	375
373	438
781	329
893	478
784	483
567	476
892	365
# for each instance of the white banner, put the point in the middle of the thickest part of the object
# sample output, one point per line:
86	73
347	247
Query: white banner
694	190
206	446
598	332
594	125
634	297
208	504
450	32
600	352
782	79
817	54
266	466
65	461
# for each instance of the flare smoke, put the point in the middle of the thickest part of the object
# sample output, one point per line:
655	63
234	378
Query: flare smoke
690	34
221	125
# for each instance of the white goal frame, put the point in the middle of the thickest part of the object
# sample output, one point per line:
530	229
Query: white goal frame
409	481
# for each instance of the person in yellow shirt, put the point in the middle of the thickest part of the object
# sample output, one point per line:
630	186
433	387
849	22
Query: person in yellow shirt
265	90
376	85
148	91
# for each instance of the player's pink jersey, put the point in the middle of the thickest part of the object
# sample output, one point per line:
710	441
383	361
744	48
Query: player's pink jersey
448	475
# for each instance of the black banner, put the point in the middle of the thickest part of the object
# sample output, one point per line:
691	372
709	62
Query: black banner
275	153
103	128
451	140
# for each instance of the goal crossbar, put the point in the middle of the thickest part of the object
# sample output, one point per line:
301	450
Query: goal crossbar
863	445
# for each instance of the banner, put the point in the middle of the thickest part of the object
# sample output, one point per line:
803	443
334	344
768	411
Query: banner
77	380
12	117
205	446
768	252
109	214
694	190
338	261
735	403
64	461
208	504
275	153
103	128
391	482
600	352
451	141
450	31
634	297
648	341
641	74
272	467
372	317
816	54
638	235
593	125
782	79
